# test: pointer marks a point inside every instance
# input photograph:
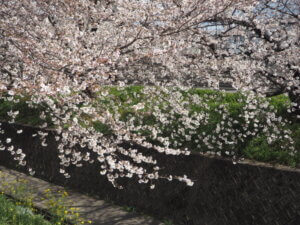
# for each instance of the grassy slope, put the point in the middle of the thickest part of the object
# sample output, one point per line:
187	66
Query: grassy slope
11	214
254	147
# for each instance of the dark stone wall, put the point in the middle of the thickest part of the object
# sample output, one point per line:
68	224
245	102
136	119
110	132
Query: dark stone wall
223	193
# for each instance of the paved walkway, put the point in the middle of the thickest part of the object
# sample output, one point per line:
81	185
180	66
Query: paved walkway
98	211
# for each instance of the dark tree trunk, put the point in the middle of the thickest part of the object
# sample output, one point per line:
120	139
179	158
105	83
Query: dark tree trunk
295	98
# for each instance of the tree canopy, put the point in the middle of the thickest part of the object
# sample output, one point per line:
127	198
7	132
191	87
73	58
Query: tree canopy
61	52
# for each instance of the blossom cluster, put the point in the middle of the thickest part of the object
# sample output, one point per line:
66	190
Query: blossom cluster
62	53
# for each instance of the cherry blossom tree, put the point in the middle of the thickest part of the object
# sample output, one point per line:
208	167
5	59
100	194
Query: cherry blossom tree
270	47
62	52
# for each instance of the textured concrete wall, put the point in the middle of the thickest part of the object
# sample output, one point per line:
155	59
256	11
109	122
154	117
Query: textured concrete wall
223	193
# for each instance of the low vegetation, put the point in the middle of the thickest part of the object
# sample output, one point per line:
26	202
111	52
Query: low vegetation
17	205
11	213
